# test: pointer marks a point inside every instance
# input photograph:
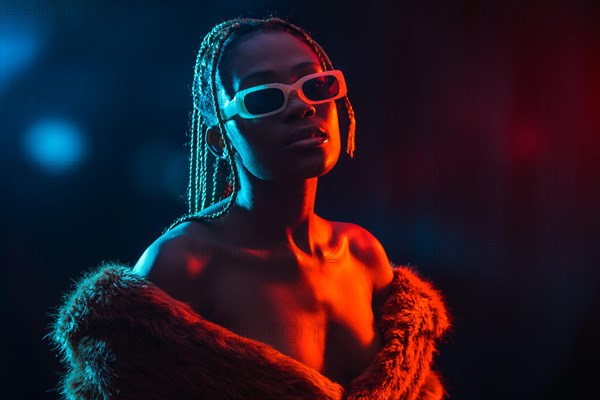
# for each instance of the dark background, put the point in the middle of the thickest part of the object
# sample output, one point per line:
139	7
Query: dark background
478	144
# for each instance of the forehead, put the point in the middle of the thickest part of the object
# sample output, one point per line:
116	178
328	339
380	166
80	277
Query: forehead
275	53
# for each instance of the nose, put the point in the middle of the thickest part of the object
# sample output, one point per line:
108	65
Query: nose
298	108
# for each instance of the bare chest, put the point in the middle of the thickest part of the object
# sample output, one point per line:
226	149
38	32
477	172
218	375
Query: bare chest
319	313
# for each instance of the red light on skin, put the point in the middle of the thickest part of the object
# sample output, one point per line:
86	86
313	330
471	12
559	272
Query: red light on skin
525	144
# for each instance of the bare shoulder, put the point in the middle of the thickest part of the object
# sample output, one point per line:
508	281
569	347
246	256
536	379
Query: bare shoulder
178	257
366	248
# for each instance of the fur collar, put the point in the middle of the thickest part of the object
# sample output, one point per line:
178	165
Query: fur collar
120	336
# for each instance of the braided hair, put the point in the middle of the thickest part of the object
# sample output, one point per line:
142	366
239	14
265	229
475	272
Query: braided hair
214	178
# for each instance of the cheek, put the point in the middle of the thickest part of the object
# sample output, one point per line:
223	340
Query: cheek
329	113
239	142
252	148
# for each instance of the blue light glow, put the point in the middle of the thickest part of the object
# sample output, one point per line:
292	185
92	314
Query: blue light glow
19	45
55	141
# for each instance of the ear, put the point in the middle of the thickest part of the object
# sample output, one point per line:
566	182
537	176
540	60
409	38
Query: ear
214	140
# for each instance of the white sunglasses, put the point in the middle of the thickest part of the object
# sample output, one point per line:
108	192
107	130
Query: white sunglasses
264	100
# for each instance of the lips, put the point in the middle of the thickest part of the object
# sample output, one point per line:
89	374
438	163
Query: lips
305	132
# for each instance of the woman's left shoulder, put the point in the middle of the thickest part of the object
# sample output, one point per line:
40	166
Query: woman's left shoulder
362	243
368	251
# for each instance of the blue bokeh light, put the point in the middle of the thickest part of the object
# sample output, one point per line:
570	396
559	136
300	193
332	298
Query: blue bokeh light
19	46
55	140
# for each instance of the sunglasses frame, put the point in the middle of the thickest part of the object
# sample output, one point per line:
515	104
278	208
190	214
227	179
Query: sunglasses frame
237	106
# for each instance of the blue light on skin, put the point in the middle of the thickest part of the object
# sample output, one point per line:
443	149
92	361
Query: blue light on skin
55	141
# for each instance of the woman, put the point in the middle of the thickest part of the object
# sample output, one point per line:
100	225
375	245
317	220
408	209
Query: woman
254	262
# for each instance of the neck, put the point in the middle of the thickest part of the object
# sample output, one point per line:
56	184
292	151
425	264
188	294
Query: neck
275	212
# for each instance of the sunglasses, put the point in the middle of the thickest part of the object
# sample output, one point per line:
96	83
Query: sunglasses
264	100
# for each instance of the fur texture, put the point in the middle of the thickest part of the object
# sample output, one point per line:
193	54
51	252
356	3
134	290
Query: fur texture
121	337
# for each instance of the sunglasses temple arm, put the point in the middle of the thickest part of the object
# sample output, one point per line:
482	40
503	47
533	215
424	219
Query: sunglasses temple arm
230	109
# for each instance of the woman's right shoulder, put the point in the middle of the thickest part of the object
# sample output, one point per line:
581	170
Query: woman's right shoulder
182	254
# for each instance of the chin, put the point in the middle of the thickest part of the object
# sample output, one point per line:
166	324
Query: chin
329	165
309	170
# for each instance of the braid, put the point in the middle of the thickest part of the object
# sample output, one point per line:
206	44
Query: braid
198	137
207	111
193	155
350	146
226	33
215	178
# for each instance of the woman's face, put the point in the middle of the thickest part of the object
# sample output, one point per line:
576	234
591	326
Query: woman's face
261	144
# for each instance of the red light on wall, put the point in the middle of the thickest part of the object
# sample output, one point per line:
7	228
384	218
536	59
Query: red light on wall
525	143
193	265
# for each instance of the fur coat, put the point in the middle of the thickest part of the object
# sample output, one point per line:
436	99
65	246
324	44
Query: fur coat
121	337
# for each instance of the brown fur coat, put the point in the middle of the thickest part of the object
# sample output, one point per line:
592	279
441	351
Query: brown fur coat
121	337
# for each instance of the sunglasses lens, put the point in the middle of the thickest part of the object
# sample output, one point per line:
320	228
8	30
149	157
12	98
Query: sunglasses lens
264	101
321	88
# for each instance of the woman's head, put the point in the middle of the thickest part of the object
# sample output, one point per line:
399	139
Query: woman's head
281	94
236	55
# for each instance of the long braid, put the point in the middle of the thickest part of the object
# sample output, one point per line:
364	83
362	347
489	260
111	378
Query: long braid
201	161
227	32
351	141
192	186
205	100
197	128
193	155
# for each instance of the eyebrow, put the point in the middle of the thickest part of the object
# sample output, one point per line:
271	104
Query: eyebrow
270	73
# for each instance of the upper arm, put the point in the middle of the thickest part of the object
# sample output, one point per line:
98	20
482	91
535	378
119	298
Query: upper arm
163	263
172	263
